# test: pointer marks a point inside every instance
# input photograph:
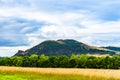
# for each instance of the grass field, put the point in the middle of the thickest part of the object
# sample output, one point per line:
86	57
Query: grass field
19	73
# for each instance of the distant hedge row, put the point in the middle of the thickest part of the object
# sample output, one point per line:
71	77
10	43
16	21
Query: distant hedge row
74	61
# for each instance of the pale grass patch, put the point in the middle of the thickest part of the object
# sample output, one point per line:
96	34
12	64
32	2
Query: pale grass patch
105	73
98	55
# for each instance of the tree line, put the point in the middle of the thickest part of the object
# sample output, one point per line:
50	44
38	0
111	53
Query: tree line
73	61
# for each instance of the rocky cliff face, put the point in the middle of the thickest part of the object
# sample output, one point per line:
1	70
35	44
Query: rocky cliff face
21	53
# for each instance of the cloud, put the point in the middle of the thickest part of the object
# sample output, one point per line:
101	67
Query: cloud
64	25
13	31
10	51
29	22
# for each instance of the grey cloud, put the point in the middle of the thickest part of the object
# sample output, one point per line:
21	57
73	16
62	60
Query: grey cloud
13	31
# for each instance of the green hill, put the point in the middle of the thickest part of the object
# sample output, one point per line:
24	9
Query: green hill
113	48
63	47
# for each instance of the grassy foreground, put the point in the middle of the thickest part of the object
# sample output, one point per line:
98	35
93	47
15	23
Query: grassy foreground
19	73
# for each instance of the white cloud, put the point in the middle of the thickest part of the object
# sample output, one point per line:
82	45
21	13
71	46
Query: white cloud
10	51
66	20
66	24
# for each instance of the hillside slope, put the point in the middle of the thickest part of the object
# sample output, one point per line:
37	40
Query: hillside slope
112	48
63	47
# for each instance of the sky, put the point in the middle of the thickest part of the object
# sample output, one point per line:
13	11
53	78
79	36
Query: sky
26	23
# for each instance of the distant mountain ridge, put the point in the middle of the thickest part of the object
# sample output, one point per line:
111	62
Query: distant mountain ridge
112	48
63	47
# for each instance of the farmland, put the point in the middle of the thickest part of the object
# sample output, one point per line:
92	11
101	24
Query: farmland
20	73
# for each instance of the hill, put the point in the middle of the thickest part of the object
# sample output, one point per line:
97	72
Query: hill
63	47
112	48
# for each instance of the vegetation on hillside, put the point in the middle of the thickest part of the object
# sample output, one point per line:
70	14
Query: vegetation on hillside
74	61
63	47
112	48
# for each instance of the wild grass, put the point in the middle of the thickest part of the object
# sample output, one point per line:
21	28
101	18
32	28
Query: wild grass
20	73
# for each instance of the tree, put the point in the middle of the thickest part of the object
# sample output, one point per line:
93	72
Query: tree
43	61
16	61
91	62
54	61
63	61
82	61
73	61
33	60
116	62
5	61
26	61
